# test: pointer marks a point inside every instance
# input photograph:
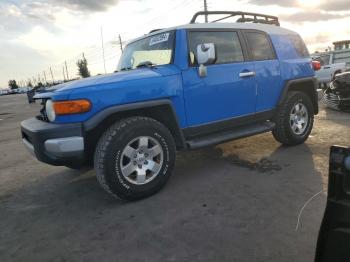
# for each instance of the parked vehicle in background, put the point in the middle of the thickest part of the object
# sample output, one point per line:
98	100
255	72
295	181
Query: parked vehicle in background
332	62
180	88
13	91
337	95
4	91
23	90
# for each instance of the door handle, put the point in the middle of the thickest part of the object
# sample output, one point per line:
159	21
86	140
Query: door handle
246	74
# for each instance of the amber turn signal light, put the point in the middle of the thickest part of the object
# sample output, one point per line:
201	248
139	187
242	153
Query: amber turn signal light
71	107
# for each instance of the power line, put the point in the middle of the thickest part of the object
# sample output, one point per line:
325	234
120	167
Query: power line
103	52
109	51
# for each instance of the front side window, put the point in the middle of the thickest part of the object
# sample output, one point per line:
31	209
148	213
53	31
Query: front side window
227	45
153	50
260	46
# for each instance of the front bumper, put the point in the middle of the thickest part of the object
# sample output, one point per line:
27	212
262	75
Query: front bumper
54	144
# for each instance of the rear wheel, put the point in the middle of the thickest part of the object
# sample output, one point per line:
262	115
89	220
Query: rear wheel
294	119
134	158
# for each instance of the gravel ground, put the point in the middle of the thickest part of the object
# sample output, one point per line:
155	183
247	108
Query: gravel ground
238	201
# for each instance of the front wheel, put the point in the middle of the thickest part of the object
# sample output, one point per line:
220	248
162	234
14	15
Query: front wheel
294	119
134	158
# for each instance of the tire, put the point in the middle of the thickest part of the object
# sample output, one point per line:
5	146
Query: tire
139	145
285	130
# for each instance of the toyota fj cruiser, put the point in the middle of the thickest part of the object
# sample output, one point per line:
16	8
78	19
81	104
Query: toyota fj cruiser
179	88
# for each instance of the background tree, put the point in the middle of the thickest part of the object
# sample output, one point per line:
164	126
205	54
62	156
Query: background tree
13	84
38	86
83	70
29	84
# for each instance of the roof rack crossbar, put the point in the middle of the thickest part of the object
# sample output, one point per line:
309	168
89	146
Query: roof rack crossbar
244	17
220	19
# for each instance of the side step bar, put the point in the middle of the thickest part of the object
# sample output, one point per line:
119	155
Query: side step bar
239	132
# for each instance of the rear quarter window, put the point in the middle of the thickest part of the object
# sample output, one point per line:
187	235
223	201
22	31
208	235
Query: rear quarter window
299	45
260	46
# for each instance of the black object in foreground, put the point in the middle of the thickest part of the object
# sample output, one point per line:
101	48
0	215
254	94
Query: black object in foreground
333	243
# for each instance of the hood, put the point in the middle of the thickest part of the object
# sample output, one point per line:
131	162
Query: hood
135	74
62	91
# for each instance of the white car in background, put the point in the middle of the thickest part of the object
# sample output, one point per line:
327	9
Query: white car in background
332	61
4	91
328	69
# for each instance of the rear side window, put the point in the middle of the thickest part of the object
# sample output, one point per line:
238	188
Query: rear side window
227	44
299	45
260	46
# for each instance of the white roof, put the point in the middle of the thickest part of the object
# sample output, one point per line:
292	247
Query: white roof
269	29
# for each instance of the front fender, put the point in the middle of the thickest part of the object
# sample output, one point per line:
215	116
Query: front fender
123	93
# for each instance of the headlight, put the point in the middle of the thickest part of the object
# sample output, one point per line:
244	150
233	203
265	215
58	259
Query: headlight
50	111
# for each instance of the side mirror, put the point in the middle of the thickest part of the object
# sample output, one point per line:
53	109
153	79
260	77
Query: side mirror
206	54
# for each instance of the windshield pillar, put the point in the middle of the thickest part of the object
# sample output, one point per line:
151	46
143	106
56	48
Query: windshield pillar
181	49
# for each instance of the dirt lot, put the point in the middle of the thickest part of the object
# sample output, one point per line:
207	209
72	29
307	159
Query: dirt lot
235	202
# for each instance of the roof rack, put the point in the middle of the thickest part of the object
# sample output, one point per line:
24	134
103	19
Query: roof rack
244	17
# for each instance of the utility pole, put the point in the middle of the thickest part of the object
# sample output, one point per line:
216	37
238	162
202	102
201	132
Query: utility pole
65	62
103	52
53	80
45	77
120	43
206	10
64	76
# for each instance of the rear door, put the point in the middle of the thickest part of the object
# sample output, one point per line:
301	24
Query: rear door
228	91
334	237
267	69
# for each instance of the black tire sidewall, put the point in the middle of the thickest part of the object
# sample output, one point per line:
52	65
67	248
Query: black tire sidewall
113	175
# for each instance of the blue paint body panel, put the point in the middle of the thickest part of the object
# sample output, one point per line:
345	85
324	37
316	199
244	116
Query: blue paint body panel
269	83
221	95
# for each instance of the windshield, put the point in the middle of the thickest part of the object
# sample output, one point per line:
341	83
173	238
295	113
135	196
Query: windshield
154	50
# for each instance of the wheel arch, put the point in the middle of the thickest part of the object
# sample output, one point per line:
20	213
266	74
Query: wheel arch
306	85
160	110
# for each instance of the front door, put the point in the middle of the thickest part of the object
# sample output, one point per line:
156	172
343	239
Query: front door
229	89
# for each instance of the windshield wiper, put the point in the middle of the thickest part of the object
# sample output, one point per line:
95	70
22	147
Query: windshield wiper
145	64
125	69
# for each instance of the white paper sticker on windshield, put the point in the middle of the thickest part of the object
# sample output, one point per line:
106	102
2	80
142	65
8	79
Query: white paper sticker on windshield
159	39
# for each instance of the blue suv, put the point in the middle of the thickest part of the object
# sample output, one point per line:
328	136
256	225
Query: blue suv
179	88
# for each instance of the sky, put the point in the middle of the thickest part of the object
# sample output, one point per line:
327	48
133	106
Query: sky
37	35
